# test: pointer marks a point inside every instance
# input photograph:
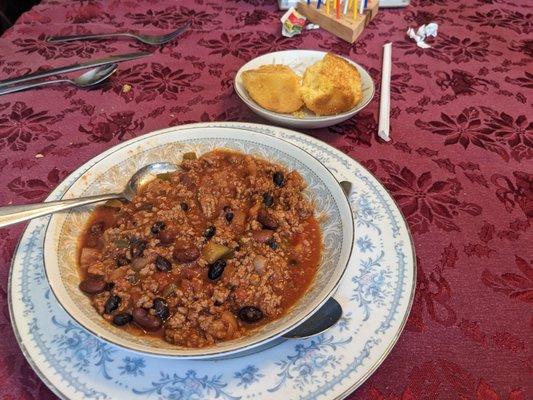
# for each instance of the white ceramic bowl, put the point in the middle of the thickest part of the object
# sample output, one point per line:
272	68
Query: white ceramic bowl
110	171
299	60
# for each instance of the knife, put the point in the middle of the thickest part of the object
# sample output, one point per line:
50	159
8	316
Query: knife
74	67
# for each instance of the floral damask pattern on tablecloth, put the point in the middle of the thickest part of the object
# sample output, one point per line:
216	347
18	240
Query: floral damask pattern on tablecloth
459	164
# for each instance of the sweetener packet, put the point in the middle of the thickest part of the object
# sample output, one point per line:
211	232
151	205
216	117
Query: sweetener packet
292	23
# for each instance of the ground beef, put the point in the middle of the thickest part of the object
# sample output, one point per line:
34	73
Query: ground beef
243	221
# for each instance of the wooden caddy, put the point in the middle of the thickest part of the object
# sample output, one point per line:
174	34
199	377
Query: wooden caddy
345	27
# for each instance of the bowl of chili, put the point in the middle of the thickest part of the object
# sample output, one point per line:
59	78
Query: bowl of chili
244	243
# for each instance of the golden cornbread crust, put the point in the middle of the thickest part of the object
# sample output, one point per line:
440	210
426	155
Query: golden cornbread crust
331	86
274	87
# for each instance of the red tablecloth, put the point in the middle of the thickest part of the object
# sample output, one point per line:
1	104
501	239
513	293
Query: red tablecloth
459	163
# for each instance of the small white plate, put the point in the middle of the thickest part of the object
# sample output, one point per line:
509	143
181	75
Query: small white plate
299	60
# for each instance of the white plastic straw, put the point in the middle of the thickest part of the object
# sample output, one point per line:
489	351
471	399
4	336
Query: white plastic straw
384	103
361	6
346	2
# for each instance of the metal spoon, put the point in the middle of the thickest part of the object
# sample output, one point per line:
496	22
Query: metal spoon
324	318
13	214
90	78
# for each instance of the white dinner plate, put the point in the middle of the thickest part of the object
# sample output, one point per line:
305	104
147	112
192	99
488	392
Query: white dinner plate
299	60
375	293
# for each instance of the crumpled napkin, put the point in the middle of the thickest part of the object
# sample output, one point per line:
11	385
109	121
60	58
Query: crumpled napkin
422	33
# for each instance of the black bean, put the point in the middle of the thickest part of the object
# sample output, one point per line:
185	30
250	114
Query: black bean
293	262
250	314
278	179
226	209
162	264
229	216
161	308
272	244
121	260
111	304
109	286
92	285
216	269
122	319
184	206
157	227
210	232
134	240
268	199
97	228
138	248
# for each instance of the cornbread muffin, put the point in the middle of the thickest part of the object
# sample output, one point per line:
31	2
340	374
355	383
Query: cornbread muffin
274	87
331	86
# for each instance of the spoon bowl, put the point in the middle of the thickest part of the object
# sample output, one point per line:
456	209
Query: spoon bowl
94	76
145	175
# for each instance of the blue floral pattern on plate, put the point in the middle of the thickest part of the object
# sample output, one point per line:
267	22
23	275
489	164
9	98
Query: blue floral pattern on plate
376	295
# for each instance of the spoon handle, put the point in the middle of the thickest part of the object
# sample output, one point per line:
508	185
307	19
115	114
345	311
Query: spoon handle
324	318
12	214
18	88
89	36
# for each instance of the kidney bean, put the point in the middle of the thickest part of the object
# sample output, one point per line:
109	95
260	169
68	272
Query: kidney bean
122	319
161	308
166	238
111	304
250	314
263	235
216	269
93	285
278	178
144	319
185	255
162	264
266	219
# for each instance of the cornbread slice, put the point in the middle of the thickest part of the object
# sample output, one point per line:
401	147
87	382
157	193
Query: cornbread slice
274	87
331	86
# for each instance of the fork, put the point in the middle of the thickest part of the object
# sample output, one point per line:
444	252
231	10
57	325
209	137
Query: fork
148	39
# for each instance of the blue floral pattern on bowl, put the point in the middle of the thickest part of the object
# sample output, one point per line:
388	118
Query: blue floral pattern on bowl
376	294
